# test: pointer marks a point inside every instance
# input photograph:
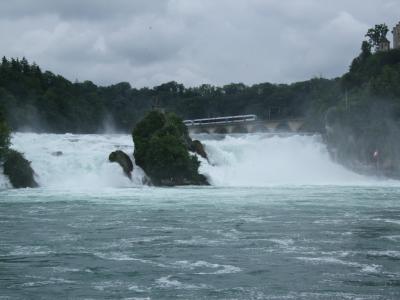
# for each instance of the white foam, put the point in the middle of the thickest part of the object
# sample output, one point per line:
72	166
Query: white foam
4	182
50	281
65	270
30	251
397	222
246	160
282	242
333	260
215	268
83	163
119	256
371	268
262	160
167	282
394	238
136	288
385	253
107	285
114	256
329	260
198	240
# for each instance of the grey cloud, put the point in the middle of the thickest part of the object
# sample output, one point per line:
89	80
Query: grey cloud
83	9
191	41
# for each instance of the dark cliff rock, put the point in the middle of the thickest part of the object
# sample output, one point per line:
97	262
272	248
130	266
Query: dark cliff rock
197	147
19	170
123	160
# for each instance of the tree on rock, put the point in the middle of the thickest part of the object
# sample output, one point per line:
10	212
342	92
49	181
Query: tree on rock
162	145
377	35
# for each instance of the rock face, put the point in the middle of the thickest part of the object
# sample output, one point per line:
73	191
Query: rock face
123	160
19	170
162	146
57	153
197	147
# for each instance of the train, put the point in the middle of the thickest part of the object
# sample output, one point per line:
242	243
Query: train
221	120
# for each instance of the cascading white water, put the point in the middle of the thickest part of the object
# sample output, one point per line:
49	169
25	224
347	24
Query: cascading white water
4	182
262	160
245	160
81	161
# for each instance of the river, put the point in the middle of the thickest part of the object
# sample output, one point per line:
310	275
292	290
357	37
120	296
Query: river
280	221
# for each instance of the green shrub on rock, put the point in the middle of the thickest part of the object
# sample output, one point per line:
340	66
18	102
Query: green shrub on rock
15	166
162	145
18	170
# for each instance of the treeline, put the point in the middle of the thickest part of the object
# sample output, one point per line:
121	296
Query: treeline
42	101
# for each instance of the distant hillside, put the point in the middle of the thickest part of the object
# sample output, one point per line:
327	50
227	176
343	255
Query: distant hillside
43	101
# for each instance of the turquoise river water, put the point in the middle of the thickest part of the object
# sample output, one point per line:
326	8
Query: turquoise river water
281	221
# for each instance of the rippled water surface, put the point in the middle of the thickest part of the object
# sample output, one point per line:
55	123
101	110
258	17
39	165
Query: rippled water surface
325	242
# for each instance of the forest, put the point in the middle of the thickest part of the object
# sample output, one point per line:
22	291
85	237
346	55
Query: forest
41	101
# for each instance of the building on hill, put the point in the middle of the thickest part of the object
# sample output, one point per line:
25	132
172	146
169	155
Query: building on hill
396	36
384	45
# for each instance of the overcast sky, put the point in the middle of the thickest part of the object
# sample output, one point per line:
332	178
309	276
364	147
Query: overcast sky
149	42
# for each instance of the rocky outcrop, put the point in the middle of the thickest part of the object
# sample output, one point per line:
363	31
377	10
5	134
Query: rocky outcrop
19	170
57	153
162	146
197	147
123	160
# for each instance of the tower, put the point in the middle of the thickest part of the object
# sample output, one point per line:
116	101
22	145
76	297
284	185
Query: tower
384	45
396	36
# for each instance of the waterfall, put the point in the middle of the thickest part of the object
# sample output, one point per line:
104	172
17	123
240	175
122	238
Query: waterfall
79	161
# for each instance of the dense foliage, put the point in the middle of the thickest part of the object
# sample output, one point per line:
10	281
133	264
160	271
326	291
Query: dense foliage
162	149
43	101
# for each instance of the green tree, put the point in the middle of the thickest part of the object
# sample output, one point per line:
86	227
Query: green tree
365	49
377	35
162	149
